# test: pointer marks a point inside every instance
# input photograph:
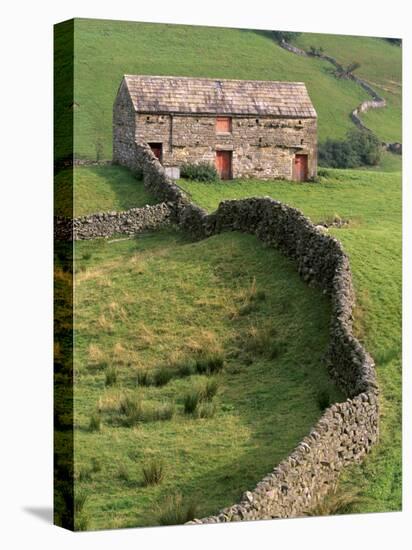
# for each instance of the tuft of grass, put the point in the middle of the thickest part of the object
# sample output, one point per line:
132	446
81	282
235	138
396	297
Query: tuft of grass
84	474
186	367
143	378
338	502
110	376
95	422
163	412
191	401
132	410
206	410
123	472
257	340
153	472
196	399
210	389
80	500
210	362
162	376
95	465
175	511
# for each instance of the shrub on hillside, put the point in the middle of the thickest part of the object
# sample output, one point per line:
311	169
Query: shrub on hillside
287	36
360	148
203	171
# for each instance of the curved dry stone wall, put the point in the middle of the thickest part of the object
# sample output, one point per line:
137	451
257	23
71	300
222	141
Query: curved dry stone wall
346	431
377	102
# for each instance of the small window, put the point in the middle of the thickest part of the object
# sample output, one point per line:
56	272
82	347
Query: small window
223	124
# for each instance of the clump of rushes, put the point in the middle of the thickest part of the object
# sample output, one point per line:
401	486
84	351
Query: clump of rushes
143	378
162	376
111	376
95	423
191	401
210	389
176	512
153	472
164	411
132	410
186	367
195	401
210	363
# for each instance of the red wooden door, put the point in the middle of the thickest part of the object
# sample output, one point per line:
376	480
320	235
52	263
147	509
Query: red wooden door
300	168
157	150
224	164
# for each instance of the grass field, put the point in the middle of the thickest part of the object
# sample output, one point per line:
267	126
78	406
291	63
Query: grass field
380	65
372	203
105	50
162	304
98	189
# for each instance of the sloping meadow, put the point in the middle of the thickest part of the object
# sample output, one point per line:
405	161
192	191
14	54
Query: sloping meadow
161	321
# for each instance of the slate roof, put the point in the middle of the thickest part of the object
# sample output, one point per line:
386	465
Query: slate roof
177	94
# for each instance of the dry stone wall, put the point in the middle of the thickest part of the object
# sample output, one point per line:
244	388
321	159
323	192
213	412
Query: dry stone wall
106	224
346	431
377	102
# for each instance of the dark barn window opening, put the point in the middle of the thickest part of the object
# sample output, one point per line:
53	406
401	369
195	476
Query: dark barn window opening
157	149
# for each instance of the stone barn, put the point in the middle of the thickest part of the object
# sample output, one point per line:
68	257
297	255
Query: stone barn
246	128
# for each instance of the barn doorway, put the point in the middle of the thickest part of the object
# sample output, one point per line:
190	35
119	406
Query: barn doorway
223	164
300	167
157	149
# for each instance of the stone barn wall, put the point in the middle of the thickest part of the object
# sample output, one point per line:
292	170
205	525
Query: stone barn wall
262	147
123	129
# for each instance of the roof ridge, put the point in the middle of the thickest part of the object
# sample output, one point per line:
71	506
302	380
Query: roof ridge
216	79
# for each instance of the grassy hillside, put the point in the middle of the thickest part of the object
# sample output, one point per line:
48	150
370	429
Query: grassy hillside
380	65
372	203
162	303
98	189
105	50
